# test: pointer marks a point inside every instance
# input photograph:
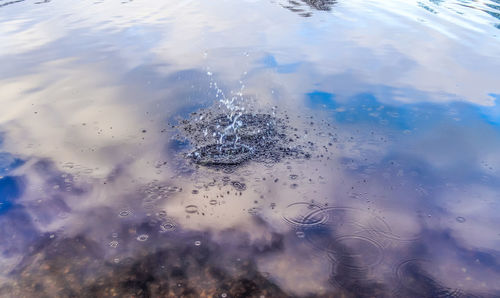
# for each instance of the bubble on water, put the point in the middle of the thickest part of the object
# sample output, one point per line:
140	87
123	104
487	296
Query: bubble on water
197	243
213	202
114	235
142	238
460	219
294	185
113	244
300	234
162	213
195	191
191	209
124	213
223	295
116	260
294	177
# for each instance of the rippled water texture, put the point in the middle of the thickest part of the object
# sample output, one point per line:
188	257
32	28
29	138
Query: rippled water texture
258	148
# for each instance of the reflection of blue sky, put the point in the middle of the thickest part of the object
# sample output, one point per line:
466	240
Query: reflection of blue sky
270	62
366	108
9	191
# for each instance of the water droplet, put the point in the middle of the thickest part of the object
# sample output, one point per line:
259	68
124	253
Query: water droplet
223	295
294	177
191	208
124	213
213	202
460	219
300	234
167	226
197	243
142	237
113	244
240	186
116	260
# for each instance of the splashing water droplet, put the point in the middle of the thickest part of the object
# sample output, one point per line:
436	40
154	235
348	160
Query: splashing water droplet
142	237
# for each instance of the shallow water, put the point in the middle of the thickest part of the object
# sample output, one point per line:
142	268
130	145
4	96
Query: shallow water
393	106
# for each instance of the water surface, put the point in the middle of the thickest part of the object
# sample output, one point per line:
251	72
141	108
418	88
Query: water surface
394	104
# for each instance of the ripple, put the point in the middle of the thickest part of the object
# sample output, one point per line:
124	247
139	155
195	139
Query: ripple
113	244
356	252
191	209
214	154
299	214
239	186
124	213
414	279
167	226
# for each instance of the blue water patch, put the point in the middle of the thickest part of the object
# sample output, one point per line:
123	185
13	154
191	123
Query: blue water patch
10	190
492	113
366	108
321	100
270	62
8	163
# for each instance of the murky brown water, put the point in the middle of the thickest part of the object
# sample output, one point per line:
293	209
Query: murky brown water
366	162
